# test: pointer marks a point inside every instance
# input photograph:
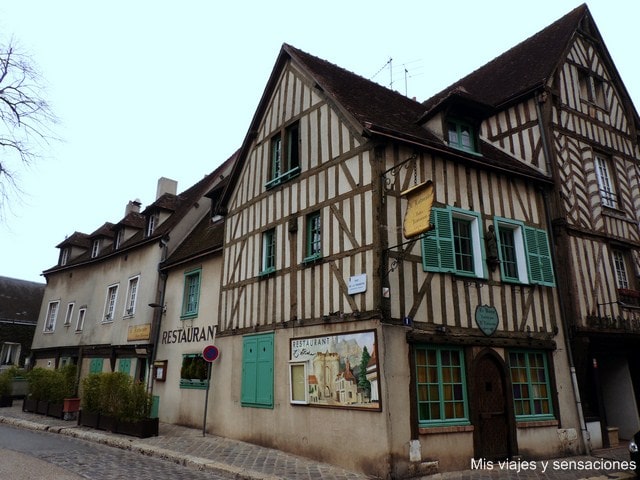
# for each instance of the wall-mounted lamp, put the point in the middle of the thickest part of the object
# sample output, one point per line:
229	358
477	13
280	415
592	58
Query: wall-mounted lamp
157	305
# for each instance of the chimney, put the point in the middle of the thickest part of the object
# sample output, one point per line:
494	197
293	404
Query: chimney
132	206
166	185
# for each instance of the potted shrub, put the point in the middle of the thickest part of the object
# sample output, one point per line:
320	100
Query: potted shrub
134	419
114	402
39	380
70	401
90	401
6	378
113	392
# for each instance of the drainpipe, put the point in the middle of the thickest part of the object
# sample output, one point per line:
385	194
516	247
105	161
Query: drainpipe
574	380
158	313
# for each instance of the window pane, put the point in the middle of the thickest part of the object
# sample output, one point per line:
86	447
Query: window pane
440	384
508	251
463	245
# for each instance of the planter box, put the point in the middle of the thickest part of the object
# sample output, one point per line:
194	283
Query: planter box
6	401
43	407
55	410
88	419
29	405
145	428
107	422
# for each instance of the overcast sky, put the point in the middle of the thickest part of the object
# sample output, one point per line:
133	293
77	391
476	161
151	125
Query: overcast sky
146	89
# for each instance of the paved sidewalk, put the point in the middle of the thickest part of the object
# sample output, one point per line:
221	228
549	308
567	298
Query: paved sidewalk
187	446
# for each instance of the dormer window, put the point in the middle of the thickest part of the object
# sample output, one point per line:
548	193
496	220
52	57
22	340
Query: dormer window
152	222
64	256
461	135
119	238
95	248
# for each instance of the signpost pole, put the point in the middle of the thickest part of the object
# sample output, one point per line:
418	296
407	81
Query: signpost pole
206	400
210	353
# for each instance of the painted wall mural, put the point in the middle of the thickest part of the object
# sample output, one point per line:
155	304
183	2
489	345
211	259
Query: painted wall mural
342	370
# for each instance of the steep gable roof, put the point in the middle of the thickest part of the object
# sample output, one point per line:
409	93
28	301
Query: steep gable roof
521	69
530	65
372	110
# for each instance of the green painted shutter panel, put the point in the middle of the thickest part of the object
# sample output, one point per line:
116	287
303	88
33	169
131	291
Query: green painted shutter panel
264	384
546	264
249	370
437	245
539	257
95	365
124	365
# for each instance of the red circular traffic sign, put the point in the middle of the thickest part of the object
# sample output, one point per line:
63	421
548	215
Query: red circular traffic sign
210	353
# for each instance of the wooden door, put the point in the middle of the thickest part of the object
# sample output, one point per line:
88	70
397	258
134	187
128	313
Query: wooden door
491	433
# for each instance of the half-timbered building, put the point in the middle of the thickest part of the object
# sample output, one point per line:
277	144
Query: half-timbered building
336	329
562	108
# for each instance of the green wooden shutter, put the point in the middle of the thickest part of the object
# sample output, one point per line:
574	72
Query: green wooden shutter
124	365
539	257
95	365
264	380
249	370
257	371
438	253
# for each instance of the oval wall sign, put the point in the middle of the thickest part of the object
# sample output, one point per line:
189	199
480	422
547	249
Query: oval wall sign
487	319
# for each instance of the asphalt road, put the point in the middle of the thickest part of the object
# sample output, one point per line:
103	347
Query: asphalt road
27	454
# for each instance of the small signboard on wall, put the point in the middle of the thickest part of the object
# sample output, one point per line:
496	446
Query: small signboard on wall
487	319
357	284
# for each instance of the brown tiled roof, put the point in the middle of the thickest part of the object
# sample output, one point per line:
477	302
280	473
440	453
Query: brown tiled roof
523	68
367	102
20	300
178	204
106	230
386	112
167	201
205	238
76	239
133	220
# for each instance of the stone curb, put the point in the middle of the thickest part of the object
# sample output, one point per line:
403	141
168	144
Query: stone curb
189	461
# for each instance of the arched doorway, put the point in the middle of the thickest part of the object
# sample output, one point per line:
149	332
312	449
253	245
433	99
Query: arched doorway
492	415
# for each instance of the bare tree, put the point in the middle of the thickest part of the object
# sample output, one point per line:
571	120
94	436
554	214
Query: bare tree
26	120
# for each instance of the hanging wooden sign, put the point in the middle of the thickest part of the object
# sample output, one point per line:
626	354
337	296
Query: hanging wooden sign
417	218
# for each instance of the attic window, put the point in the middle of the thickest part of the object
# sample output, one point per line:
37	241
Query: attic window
64	256
284	155
591	88
152	221
461	135
95	248
119	238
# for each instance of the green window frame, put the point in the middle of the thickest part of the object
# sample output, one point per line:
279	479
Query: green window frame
539	259
524	253
530	384
284	155
314	237
194	371
455	244
191	294
511	250
268	252
441	389
461	135
257	371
